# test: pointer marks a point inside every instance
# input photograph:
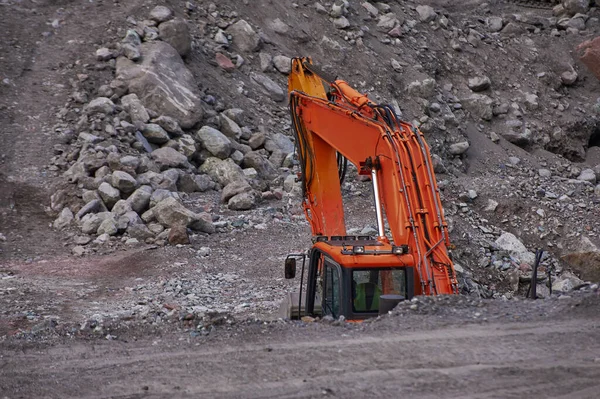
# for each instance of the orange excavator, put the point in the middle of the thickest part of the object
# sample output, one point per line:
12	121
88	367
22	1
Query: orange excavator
362	276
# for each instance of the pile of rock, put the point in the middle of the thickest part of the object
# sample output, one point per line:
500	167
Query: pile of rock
136	148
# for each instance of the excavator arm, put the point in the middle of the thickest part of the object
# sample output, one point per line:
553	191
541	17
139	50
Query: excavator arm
330	118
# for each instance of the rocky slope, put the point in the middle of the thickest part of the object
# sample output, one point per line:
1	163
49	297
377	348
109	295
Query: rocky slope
176	127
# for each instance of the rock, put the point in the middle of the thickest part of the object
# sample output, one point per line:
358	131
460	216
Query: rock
132	104
371	9
214	141
94	206
514	28
178	236
426	13
479	83
242	202
100	105
573	7
510	243
155	134
423	89
230	128
163	83
140	199
283	143
495	24
244	37
257	140
170	125
459	148
585	260
266	62
140	232
566	283
283	64
170	212
78	250
161	14
569	78
221	37
159	195
491	206
235	114
587	175
222	171
123	181
479	105
109	194
544	173
520	138
108	226
264	168
337	10
121	208
90	223
64	219
341	22
233	189
167	158
131	52
104	54
531	101
128	219
271	88
177	34
224	62
388	22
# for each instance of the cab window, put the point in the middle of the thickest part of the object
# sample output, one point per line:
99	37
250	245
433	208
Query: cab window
331	300
369	285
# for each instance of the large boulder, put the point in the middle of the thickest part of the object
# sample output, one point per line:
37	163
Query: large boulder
123	181
230	128
167	158
109	194
585	260
170	212
140	199
214	141
222	171
163	83
479	105
263	166
269	86
510	243
244	37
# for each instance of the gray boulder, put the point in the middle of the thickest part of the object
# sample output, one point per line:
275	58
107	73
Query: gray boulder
177	34
230	128
100	105
155	134
140	199
169	124
426	13
264	168
108	226
123	181
139	232
214	141
270	87
222	171
163	83
242	202
161	14
480	105
109	194
244	37
167	158
194	183
64	219
159	195
170	212
236	115
283	64
132	104
283	143
479	83
235	188
510	243
94	206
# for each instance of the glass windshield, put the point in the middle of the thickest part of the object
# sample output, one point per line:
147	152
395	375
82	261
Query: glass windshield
369	285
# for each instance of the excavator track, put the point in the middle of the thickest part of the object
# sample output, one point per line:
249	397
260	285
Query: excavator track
543	4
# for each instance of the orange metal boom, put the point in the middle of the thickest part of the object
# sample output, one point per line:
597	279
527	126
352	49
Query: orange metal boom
393	152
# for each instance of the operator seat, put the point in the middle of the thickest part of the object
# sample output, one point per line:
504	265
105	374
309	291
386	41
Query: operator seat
367	297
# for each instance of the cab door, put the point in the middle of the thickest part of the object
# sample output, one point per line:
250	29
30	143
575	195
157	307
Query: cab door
332	288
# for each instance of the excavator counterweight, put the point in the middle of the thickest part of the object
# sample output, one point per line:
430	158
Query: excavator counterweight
357	277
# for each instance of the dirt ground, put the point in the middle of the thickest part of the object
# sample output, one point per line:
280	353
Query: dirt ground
49	299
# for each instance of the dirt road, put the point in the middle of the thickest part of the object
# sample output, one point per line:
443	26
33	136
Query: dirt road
509	360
